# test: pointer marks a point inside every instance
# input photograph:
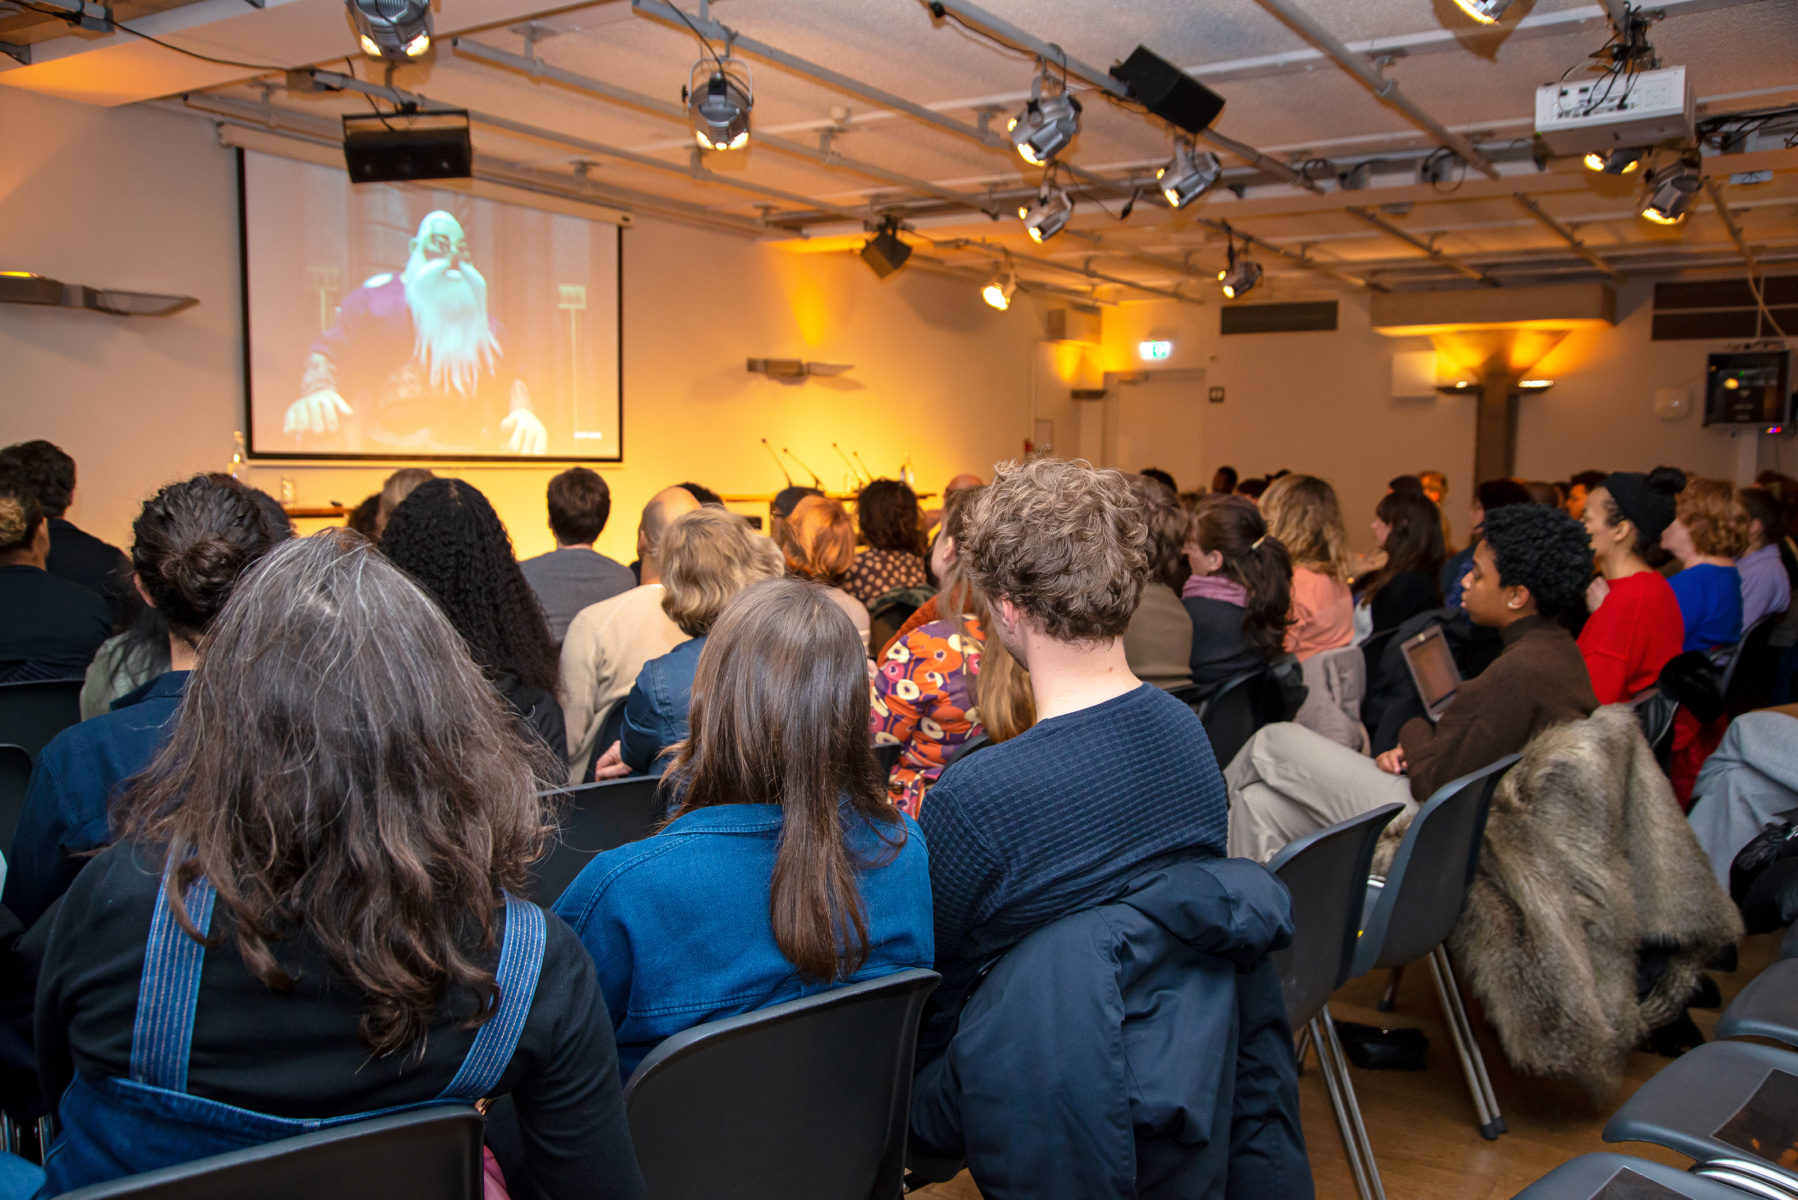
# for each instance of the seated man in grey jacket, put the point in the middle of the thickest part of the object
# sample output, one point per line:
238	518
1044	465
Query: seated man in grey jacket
574	575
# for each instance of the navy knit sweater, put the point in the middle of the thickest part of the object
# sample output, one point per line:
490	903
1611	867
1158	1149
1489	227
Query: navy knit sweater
1057	821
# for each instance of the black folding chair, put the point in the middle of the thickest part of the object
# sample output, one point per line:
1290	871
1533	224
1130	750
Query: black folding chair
1767	1007
1749	676
33	712
596	817
1410	914
1235	711
428	1154
973	745
1731	1107
1326	872
1655	711
15	777
807	1098
887	757
1607	1176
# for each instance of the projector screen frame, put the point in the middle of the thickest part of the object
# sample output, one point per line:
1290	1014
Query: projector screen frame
346	457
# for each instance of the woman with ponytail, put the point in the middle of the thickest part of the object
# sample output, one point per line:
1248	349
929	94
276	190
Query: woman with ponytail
190	545
1240	593
784	870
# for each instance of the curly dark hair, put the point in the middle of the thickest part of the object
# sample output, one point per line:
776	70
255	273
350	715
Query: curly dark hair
887	512
194	540
45	469
448	538
1544	550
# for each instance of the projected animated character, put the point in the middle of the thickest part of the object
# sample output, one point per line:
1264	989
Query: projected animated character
422	359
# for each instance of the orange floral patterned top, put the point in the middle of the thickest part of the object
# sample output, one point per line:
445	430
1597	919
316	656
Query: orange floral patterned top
923	702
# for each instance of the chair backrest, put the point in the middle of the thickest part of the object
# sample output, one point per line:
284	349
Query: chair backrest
1748	679
1655	711
596	817
1233	714
32	713
1435	864
973	745
15	777
1326	872
807	1098
887	757
428	1154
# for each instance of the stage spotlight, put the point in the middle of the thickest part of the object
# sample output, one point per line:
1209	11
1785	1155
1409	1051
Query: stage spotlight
1240	278
1189	175
1047	124
1616	162
884	251
1671	191
1044	219
393	30
718	106
1486	12
1000	290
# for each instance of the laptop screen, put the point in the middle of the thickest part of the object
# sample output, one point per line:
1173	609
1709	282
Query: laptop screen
1433	667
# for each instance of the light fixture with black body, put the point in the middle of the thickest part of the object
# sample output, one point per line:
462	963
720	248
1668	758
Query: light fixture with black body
1242	273
1189	175
392	30
884	252
719	94
1621	161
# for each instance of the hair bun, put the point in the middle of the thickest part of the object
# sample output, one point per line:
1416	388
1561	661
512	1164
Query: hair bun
1669	481
12	521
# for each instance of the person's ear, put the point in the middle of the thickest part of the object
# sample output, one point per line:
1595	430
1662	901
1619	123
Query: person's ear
137	581
1517	597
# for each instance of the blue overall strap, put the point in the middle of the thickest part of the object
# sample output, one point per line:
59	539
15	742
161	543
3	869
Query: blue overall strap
520	962
164	1029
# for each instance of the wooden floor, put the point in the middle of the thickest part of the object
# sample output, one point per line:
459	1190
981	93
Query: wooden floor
1422	1124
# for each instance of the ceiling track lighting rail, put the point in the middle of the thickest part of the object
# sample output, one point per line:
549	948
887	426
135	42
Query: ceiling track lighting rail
1567	235
1735	229
1385	88
1298	258
1410	239
537	68
1144	256
1083	272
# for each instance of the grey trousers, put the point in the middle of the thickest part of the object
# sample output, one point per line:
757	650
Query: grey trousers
1750	780
1287	782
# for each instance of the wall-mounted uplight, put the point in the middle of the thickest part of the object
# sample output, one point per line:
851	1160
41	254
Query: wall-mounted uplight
1154	351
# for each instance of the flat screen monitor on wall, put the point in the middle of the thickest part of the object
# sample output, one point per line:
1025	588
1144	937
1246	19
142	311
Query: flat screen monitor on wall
409	321
1749	388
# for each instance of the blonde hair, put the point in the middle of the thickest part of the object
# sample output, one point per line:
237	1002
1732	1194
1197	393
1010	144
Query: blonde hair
1712	510
707	556
818	540
1302	514
1002	694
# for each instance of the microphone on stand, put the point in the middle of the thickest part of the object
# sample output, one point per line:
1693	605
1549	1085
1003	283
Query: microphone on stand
854	473
816	482
858	458
777	462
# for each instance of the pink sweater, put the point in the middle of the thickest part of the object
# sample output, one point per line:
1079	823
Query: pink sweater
1323	614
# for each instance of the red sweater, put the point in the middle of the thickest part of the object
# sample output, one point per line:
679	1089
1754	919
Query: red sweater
1631	636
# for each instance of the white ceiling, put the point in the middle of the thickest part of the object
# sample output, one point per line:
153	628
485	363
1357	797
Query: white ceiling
1283	98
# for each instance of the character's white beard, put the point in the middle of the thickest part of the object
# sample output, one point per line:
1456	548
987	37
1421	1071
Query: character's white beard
449	319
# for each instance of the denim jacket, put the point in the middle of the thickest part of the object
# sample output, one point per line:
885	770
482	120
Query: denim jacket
655	713
679	928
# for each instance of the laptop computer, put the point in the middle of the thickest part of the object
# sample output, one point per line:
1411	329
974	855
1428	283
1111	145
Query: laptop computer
1433	670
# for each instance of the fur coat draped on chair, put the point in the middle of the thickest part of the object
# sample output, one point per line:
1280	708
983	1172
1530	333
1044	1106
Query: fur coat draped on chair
1588	863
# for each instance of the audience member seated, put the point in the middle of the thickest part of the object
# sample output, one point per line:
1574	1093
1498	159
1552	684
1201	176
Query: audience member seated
125	662
1223	481
574	576
887	512
1709	530
1531	566
942	557
1240	593
448	538
1542	492
1635	626
784	870
1302	514
705	495
1409	529
190	545
1748	783
933	517
1494	493
348	815
399	485
1116	776
818	540
1158	643
947	681
1579	492
362	518
706	557
75	555
1766	588
608	643
52	627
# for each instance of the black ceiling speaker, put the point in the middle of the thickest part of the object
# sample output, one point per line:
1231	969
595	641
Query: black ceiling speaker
395	147
1167	91
884	251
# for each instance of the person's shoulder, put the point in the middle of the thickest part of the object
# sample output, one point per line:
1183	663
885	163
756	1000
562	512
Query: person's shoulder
595	617
75	601
65	531
125	874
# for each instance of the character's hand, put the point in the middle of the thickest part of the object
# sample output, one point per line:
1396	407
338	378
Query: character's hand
1596	591
1392	762
315	412
611	764
528	434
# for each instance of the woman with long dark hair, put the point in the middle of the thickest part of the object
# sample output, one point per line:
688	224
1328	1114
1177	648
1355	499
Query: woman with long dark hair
190	545
1408	528
447	537
326	858
1240	593
784	869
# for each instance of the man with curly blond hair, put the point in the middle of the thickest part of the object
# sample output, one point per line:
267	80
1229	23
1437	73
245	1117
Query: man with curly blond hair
1112	801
